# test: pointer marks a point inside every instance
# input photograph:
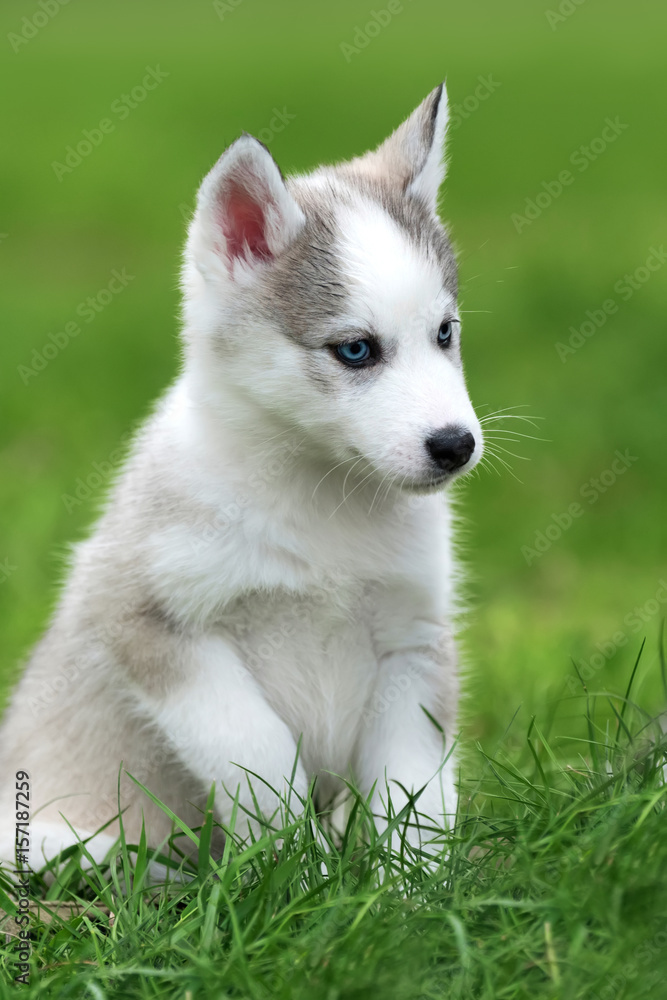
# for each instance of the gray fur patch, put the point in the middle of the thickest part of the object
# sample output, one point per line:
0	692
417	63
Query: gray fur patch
423	230
305	283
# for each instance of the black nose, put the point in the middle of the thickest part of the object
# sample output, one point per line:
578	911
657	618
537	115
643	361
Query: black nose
451	447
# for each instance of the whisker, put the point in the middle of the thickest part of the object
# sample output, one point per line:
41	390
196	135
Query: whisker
505	464
494	418
495	432
332	469
505	413
386	475
283	433
493	438
507	409
361	483
389	486
387	490
487	463
506	451
347	474
402	480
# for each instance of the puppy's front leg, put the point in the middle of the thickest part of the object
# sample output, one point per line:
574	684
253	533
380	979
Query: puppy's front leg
216	718
400	747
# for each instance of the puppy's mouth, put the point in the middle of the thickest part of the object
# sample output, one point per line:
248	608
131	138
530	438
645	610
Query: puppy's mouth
437	480
432	484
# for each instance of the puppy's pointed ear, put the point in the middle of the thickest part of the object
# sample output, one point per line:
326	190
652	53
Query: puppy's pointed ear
245	207
413	156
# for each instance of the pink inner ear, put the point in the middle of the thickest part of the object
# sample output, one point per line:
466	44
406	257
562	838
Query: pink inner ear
243	223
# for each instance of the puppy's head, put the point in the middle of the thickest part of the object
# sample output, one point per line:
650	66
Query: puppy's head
329	300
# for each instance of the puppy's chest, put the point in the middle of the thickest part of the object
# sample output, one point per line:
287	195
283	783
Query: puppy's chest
313	655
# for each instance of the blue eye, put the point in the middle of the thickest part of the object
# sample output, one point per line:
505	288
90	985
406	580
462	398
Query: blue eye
356	352
445	334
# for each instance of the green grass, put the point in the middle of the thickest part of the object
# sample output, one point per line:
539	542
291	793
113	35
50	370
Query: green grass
596	588
553	885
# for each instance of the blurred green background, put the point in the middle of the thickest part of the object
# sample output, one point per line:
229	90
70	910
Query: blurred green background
553	76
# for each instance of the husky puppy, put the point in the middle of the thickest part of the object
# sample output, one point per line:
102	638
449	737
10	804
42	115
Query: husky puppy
273	571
